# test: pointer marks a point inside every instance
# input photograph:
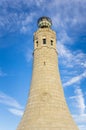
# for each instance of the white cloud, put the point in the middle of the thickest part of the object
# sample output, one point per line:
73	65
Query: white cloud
15	109
84	64
9	101
17	112
24	29
28	55
79	104
25	22
79	101
70	59
75	79
80	118
82	127
80	58
2	74
81	121
18	19
70	12
64	38
39	2
65	13
63	51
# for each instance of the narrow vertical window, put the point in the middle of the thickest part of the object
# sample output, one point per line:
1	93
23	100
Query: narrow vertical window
44	41
51	42
36	43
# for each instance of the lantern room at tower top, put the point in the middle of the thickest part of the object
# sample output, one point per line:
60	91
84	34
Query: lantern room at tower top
44	36
44	22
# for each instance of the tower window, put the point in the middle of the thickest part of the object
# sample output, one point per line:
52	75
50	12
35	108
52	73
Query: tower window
36	43
51	42
44	41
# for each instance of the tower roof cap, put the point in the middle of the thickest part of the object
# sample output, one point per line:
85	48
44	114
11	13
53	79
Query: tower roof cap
44	22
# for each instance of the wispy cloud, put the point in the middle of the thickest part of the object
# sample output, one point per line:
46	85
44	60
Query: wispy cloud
20	13
72	64
25	22
82	127
17	112
2	74
75	79
71	16
9	101
28	55
77	58
64	38
14	17
81	120
63	51
79	101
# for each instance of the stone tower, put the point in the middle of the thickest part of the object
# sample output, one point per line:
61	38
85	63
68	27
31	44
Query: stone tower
46	107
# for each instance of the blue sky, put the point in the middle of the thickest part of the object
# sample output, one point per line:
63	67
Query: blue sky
18	21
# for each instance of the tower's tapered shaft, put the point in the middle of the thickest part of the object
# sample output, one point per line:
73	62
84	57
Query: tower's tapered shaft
46	107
